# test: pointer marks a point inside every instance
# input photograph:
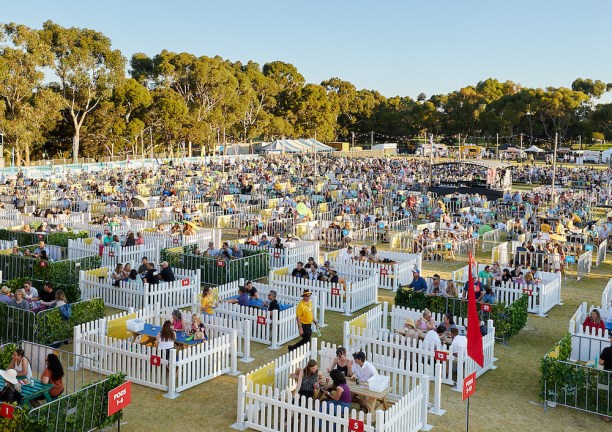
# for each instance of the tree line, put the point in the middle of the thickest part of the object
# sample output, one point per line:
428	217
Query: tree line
65	91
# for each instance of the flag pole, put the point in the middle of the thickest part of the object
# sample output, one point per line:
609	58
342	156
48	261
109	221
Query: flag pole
467	415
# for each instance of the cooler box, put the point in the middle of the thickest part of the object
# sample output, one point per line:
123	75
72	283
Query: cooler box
135	325
378	383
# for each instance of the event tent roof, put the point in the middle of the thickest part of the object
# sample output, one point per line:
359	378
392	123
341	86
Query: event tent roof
534	149
296	146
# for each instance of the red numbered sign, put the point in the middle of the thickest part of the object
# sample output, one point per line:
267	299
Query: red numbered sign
185	282
261	320
175	241
6	411
528	291
40	237
335	291
276	254
469	385
119	397
485	307
155	360
220	263
355	425
111	253
441	355
42	264
384	272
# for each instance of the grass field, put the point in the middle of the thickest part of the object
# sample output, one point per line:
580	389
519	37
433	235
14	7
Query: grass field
506	399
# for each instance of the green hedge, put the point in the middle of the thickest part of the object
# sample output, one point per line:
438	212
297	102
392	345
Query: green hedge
62	274
6	355
573	384
57	239
48	327
508	320
254	265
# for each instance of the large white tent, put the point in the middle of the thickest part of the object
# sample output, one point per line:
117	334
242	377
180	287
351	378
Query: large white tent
534	149
296	146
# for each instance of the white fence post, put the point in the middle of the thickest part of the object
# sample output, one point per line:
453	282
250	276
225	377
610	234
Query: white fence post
233	353
172	394
246	335
240	410
436	408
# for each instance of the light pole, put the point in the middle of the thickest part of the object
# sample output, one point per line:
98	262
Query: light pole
554	174
528	114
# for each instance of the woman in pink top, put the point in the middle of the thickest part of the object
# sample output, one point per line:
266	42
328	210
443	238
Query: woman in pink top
177	321
139	239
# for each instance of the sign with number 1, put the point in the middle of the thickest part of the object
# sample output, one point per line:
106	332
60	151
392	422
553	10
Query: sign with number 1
6	411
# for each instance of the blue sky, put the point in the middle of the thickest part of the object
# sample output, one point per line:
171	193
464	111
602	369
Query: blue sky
395	47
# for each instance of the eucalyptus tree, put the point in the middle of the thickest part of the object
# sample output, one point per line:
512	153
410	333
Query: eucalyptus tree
87	70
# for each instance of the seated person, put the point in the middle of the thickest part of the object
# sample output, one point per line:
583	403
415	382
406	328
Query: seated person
264	240
11	393
341	363
426	322
593	322
243	297
362	371
272	303
251	290
53	373
433	339
178	323
299	271
308	379
333	276
339	394
488	297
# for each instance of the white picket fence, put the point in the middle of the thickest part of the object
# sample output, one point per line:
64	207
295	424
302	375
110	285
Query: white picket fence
542	297
587	343
7	244
121	230
291	252
363	333
602	249
391	276
182	370
271	328
585	262
606	295
200	238
111	256
177	294
267	408
358	290
490	239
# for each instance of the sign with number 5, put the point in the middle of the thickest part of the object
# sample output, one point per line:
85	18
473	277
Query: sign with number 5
355	425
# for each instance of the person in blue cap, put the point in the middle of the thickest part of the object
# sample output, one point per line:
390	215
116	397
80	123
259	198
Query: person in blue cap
418	284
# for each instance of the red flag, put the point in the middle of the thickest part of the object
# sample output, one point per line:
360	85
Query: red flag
474	337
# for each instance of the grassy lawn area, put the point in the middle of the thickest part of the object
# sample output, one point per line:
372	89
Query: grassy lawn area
507	398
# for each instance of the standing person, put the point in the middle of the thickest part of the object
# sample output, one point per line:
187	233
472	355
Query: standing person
418	284
305	319
207	303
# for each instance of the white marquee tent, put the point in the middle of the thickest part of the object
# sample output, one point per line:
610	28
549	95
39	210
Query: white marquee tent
534	149
296	146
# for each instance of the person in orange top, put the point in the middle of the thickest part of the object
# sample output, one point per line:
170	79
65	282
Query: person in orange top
593	322
53	373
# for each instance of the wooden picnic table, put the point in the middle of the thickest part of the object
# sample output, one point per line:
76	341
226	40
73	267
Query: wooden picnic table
370	397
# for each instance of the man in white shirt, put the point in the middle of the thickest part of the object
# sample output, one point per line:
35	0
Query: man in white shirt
362	371
459	342
432	338
31	293
347	254
97	241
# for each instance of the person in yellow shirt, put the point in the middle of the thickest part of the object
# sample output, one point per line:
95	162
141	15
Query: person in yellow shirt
305	319
208	301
